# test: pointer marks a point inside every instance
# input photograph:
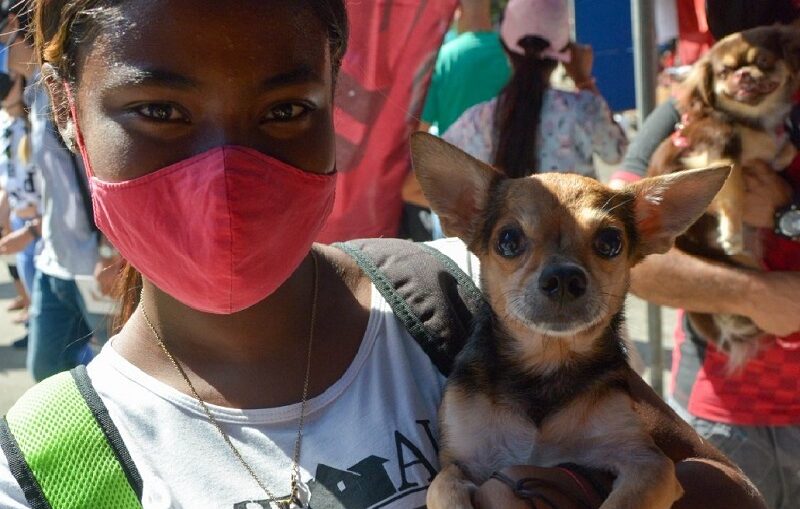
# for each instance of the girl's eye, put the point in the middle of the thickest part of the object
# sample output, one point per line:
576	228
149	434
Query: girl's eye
511	242
287	112
608	243
160	112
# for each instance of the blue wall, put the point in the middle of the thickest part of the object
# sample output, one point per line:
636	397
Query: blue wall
606	25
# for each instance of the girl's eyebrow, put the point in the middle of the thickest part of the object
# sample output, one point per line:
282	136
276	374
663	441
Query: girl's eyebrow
302	74
126	75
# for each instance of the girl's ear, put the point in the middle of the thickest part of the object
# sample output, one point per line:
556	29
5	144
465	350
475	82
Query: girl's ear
456	184
60	106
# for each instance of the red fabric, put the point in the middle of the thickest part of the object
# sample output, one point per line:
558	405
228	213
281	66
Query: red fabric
767	391
782	253
694	37
382	86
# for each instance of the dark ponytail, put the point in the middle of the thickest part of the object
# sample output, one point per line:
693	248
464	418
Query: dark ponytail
519	109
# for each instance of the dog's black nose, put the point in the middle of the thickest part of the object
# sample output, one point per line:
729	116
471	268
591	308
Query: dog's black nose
563	282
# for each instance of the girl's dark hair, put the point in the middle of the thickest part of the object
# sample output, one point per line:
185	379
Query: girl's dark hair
519	108
61	26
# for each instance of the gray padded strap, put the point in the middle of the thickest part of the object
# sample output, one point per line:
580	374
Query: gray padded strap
428	293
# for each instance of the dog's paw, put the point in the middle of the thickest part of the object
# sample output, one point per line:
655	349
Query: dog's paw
453	499
450	490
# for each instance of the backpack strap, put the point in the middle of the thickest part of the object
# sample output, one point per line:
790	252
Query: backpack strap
433	298
65	451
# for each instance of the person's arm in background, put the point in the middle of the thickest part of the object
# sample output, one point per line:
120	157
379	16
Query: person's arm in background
5	213
658	126
677	279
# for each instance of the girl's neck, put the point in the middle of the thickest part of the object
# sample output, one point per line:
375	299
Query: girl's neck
253	335
235	357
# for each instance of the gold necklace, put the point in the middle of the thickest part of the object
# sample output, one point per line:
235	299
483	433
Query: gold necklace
293	500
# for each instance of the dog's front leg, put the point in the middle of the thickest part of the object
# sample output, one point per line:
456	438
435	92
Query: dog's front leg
647	482
729	205
605	433
450	489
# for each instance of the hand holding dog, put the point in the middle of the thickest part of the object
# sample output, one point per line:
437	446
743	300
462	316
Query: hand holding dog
766	191
553	484
772	304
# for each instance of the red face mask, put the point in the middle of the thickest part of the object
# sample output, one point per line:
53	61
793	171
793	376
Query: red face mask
220	231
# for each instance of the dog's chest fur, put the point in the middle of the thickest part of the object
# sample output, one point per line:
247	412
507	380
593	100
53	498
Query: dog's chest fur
488	365
498	413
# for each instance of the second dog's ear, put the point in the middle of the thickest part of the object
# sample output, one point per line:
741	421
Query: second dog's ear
668	205
456	184
699	84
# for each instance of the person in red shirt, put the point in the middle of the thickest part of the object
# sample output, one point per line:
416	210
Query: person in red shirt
754	415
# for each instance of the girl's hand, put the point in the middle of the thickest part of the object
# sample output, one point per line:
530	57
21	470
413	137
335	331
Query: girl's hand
553	488
580	65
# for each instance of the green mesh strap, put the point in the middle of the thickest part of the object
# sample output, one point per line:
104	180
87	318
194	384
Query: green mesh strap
65	451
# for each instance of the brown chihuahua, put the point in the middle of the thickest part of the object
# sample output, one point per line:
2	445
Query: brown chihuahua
542	379
735	104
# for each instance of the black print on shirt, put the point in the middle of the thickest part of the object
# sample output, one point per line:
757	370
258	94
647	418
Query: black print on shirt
367	484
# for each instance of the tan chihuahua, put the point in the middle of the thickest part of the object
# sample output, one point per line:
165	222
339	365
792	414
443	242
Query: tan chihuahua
542	379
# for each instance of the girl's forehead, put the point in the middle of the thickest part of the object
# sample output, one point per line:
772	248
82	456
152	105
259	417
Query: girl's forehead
237	38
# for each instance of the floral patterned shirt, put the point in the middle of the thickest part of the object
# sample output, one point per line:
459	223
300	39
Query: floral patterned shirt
573	127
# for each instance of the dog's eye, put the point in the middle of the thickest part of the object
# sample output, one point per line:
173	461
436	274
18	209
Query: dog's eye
510	243
608	242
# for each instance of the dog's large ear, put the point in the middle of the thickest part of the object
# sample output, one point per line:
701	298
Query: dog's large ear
668	205
456	184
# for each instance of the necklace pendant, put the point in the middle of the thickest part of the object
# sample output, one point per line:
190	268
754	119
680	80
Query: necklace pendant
290	502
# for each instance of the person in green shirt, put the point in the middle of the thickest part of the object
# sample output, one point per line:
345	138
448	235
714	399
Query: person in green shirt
470	69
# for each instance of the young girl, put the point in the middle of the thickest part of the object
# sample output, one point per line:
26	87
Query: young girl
531	127
257	370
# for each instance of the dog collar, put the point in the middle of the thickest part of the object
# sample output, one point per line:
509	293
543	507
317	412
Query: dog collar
680	140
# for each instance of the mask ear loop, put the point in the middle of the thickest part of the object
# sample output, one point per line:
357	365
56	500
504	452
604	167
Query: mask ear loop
78	135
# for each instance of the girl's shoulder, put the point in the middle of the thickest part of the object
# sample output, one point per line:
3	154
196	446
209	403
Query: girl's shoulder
572	98
478	114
